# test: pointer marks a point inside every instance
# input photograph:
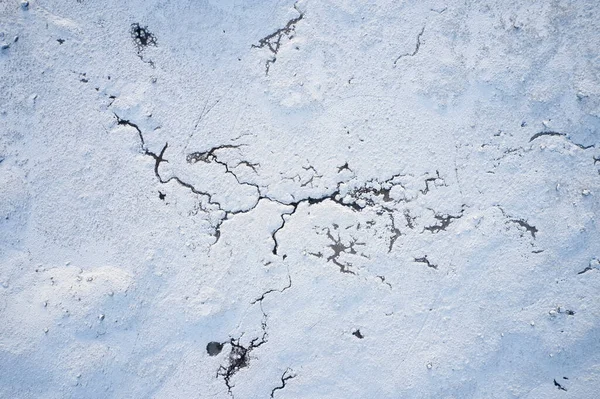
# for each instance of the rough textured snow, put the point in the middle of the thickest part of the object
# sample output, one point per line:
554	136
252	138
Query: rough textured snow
320	199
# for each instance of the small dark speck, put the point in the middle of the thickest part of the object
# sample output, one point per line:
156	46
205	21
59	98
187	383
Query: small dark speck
84	80
358	334
60	41
523	124
161	195
570	312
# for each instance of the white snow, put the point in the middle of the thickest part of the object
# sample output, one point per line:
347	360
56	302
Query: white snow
358	199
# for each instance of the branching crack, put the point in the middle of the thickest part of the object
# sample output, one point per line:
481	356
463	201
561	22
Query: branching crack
444	221
239	356
437	181
287	375
273	41
338	248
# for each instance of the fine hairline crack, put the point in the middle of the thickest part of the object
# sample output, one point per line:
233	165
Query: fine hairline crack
415	51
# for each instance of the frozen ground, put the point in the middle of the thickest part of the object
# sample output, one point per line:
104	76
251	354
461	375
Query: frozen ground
321	199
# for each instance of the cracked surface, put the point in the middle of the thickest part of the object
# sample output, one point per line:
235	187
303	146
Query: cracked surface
339	199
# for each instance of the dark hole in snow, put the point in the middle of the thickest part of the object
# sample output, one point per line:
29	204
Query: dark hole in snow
358	334
142	36
214	348
161	195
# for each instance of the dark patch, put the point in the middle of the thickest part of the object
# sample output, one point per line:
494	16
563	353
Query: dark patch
531	229
239	358
343	167
141	36
214	348
338	248
444	222
207	156
161	196
358	334
60	41
559	386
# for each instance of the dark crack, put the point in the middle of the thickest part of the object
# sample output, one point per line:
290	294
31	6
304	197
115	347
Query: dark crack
159	158
283	220
339	248
125	122
426	261
551	133
444	221
415	51
410	220
433	180
366	193
273	41
531	229
382	278
239	356
287	375
521	222
210	155
540	134
264	294
396	233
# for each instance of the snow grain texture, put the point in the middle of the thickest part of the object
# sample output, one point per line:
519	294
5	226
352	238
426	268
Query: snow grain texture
338	198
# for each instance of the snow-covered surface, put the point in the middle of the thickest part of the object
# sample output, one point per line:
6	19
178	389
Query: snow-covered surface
357	199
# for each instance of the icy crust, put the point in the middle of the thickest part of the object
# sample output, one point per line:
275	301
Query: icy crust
299	199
